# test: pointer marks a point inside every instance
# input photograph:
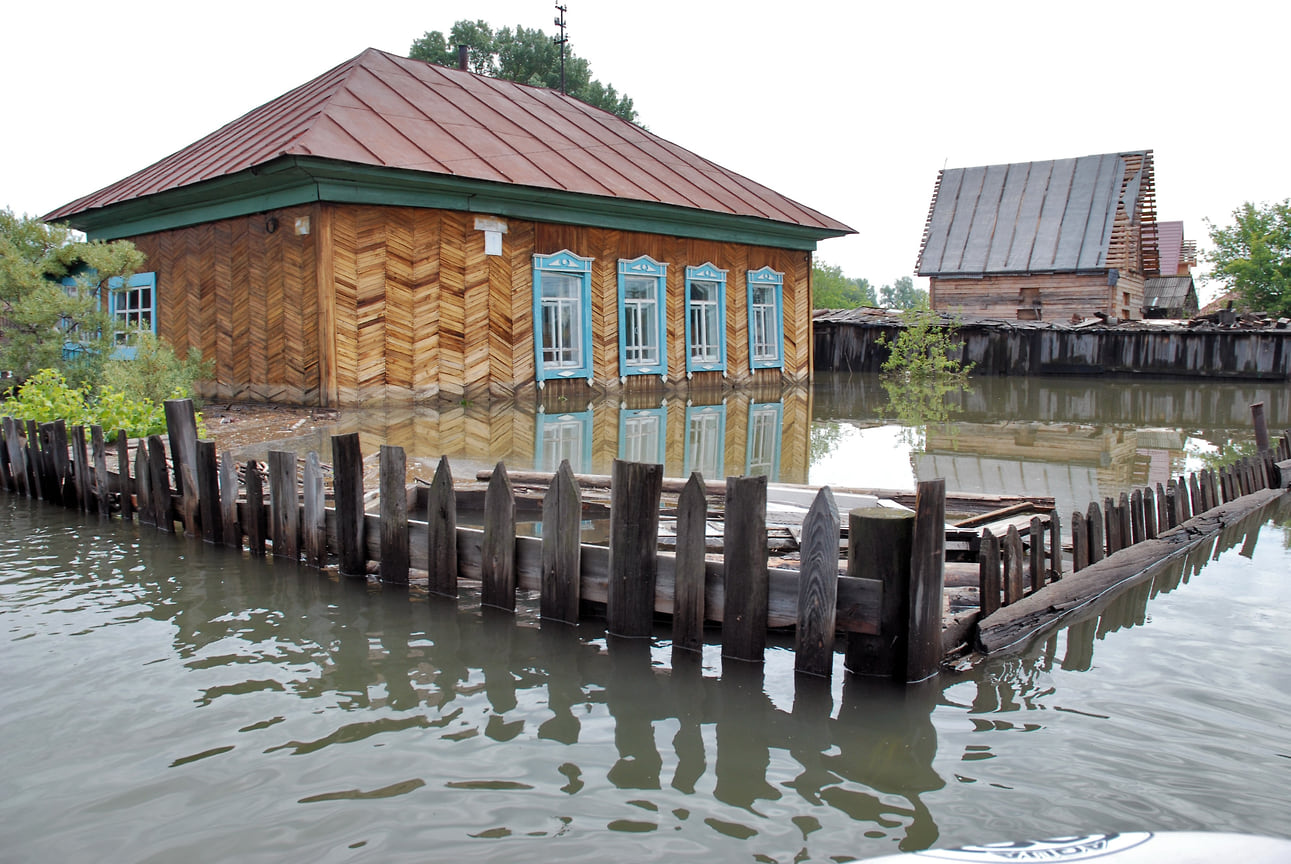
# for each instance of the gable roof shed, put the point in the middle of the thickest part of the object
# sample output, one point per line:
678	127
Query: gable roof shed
385	129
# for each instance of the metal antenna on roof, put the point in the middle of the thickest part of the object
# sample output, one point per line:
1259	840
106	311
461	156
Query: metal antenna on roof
561	40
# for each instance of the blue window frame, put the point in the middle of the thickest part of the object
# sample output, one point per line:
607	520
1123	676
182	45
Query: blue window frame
642	343
705	441
762	450
705	319
643	434
562	316
132	303
766	319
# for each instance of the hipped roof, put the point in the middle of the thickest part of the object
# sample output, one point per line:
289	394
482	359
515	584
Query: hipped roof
1028	217
389	112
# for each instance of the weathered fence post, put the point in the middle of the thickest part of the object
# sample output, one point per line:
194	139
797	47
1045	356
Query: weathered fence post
441	532
1149	514
1035	548
1181	500
80	469
99	452
36	461
1194	493
232	525
1014	583
143	484
1094	522
1126	529
347	485
688	610
181	431
254	517
17	457
394	515
1079	543
927	580
1111	526
634	541
284	505
124	483
879	542
818	588
498	545
1138	527
1172	503
562	515
6	470
1055	546
989	583
314	526
745	576
208	490
1261	427
159	493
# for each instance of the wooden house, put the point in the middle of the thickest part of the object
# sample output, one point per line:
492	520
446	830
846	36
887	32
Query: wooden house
1172	293
396	229
1057	240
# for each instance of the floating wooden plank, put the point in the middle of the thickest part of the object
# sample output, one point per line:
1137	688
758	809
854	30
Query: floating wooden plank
208	490
441	532
284	505
817	589
562	514
394	515
347	485
688	601
744	624
498	551
634	545
314	520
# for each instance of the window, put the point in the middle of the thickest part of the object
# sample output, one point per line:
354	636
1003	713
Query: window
641	317
705	441
564	436
762	454
766	319
641	434
132	304
562	314
705	319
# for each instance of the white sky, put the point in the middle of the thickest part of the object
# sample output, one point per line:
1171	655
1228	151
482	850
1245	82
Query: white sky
847	107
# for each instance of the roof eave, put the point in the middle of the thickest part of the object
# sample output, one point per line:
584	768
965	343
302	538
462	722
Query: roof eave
290	180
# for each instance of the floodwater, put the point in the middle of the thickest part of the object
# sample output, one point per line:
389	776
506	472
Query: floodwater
169	701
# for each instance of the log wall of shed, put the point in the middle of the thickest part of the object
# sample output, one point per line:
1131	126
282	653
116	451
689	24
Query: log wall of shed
376	302
1061	296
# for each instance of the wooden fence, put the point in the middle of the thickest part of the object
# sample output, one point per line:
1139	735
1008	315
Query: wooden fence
888	607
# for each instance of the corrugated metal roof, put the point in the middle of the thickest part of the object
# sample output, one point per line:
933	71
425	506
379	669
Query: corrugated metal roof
1168	292
383	110
1170	245
1026	217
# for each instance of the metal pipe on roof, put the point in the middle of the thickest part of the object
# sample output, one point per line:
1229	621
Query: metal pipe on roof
463	56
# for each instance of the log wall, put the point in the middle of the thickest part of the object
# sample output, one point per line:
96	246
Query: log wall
342	304
1060	296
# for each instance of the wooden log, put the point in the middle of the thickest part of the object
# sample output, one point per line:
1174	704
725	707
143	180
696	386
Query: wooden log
927	577
347	485
394	515
208	491
562	514
990	582
181	431
744	622
125	485
1079	544
879	545
284	505
1149	514
81	469
99	455
1261	427
143	484
441	532
634	542
688	585
159	491
1126	529
314	521
231	525
1014	583
498	566
817	588
254	518
1094	522
1035	543
1055	546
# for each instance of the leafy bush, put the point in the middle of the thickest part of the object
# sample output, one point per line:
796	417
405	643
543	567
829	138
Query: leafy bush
155	373
925	348
47	397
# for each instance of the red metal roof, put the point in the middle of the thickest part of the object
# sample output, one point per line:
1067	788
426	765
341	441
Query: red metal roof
383	110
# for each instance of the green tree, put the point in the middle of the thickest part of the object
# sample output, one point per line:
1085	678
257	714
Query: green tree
523	55
830	289
903	295
1253	256
51	298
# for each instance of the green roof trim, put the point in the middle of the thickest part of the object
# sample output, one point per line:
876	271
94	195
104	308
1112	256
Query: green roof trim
293	180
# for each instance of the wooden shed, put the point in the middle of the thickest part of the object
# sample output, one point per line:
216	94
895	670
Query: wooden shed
396	229
1173	293
1043	240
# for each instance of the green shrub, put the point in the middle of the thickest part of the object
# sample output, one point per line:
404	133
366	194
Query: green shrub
46	397
155	373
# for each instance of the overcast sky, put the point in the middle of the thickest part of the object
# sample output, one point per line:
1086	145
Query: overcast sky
847	107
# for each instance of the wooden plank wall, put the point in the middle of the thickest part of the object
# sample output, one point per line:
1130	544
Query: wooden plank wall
414	309
1062	295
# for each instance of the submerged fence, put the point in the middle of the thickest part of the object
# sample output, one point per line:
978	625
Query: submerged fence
888	608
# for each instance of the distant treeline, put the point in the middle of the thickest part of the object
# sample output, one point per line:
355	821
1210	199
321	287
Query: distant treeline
832	290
